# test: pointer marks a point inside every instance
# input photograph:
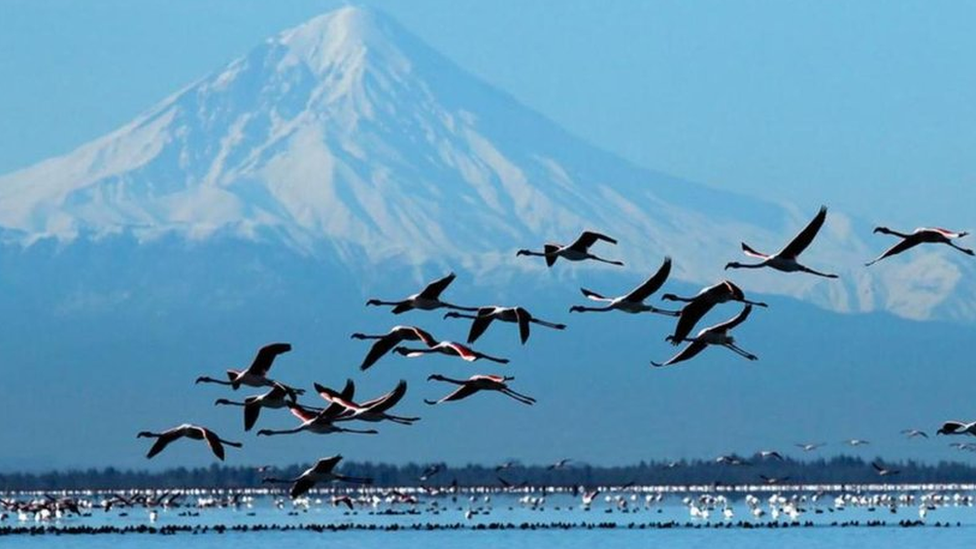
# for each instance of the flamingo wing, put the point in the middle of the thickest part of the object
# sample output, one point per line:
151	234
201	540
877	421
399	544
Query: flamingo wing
593	295
380	348
905	244
479	325
214	442
266	356
689	317
734	321
652	284
688	352
524	319
387	401
163	441
460	393
805	237
588	238
434	289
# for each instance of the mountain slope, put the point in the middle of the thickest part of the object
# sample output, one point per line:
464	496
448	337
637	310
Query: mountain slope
346	137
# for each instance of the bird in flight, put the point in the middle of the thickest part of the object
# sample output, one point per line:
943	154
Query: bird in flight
450	348
476	383
427	299
256	375
322	471
713	335
786	259
485	315
632	302
699	305
922	235
577	251
386	342
192	432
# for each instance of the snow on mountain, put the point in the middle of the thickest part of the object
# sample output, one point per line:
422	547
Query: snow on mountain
348	138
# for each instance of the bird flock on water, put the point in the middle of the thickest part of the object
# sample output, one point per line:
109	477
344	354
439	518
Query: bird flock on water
340	407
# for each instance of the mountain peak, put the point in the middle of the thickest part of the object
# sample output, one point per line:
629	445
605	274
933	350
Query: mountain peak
349	139
341	37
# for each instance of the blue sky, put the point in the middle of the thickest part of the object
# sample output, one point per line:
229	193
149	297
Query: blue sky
865	106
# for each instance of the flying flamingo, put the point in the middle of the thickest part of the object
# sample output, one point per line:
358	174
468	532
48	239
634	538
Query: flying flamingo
386	342
699	305
713	335
577	251
634	301
321	423
193	432
427	300
374	410
450	348
957	428
256	375
921	235
518	315
278	397
785	259
477	383
322	471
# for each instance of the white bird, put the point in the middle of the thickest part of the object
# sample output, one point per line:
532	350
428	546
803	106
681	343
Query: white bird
372	410
921	235
699	305
256	375
957	428
322	471
809	447
187	430
478	383
386	342
786	259
632	302
450	348
485	315
426	300
713	335
278	397
577	251
321	423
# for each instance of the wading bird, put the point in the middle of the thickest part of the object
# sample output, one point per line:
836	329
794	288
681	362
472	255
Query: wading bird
477	383
559	464
278	397
427	300
912	433
322	471
485	315
713	335
810	446
785	259
577	251
450	348
321	423
386	342
922	235
699	305
634	301
256	375
193	432
372	410
883	471
957	428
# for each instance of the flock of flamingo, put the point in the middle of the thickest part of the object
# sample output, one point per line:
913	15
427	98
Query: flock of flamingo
340	407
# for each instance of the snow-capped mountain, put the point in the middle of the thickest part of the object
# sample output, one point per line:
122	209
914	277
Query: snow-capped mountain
347	139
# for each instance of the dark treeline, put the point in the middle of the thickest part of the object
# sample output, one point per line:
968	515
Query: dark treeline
837	470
